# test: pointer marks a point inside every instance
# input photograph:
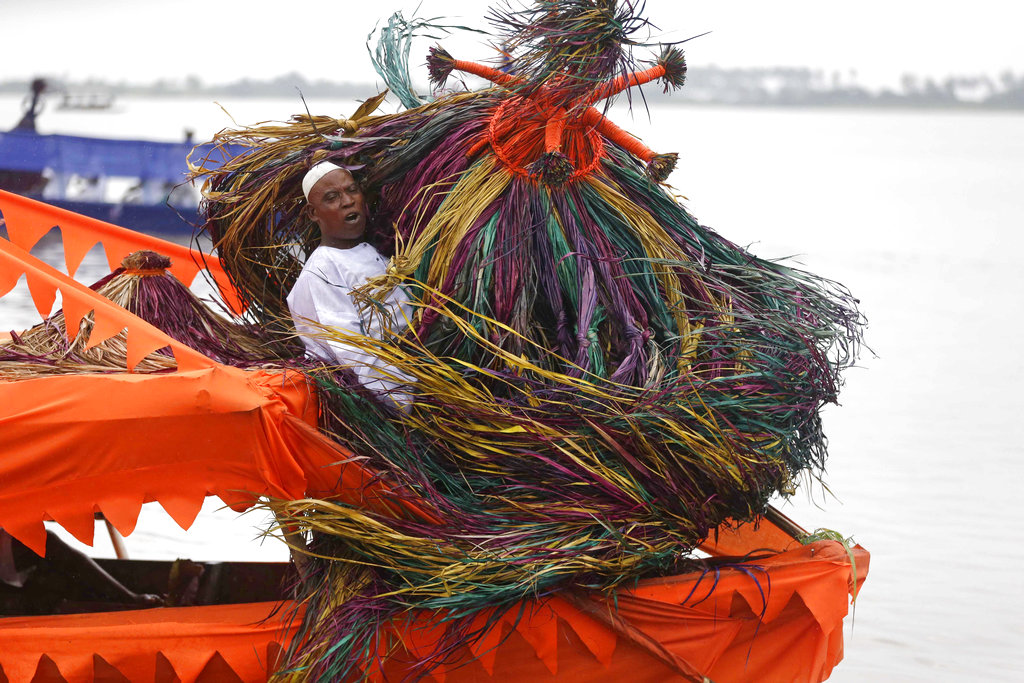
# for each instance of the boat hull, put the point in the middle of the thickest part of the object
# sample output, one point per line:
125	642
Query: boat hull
777	617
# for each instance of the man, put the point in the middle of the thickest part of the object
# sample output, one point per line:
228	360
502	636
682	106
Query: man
321	299
35	105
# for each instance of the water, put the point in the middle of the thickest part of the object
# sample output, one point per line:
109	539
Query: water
919	215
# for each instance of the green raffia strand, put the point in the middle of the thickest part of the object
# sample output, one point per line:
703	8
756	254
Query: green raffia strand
489	577
390	57
846	542
826	535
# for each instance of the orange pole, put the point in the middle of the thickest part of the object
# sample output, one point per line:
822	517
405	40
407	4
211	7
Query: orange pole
625	82
553	132
486	72
593	117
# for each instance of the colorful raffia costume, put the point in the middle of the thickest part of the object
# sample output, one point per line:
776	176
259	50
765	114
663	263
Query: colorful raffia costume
599	379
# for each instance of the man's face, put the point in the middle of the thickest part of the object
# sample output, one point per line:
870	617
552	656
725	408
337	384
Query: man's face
336	205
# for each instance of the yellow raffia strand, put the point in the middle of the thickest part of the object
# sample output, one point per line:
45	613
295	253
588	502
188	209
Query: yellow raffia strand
478	189
423	364
294	135
659	247
486	428
453	559
340	584
495	429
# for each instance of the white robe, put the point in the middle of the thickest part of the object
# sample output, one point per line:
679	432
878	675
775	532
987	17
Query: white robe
322	298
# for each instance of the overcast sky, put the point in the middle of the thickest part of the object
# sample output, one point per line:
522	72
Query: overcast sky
220	41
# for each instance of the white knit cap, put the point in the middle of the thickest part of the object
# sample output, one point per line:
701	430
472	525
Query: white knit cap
315	174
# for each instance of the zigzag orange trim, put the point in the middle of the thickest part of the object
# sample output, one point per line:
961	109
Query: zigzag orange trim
109	319
28	220
690	626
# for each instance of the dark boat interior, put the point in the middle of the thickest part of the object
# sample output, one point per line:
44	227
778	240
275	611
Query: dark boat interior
180	583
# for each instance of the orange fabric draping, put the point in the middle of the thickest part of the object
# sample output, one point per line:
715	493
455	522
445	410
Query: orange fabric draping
71	445
760	535
74	444
28	220
214	644
775	618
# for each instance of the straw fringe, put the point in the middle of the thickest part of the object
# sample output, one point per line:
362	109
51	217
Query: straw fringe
154	295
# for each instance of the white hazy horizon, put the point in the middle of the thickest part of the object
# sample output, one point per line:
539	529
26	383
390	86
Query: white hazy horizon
222	41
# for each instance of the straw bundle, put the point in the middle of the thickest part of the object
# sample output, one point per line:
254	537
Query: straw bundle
144	287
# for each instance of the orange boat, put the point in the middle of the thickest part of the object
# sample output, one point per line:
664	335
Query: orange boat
765	607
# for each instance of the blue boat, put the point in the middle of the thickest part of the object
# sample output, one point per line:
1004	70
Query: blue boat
137	184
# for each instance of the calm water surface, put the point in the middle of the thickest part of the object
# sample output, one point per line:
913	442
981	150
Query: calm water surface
919	214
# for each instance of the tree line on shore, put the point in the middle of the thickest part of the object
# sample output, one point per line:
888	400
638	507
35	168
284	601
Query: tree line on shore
760	86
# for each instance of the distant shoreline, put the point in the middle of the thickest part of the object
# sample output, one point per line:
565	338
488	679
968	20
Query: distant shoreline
775	87
679	100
